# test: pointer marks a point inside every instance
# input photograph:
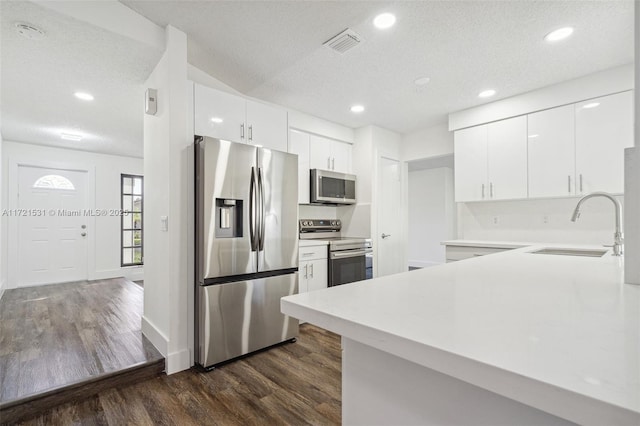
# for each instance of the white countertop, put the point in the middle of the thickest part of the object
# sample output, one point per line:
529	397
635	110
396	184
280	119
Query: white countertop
484	243
559	333
312	243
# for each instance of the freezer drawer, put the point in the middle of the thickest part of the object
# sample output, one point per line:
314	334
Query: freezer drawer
237	318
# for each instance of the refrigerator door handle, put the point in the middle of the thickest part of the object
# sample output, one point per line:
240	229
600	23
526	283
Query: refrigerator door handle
252	211
261	211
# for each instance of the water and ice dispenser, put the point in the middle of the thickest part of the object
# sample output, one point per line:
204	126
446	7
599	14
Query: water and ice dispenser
228	218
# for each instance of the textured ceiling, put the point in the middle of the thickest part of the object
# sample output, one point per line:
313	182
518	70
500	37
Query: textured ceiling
39	78
273	50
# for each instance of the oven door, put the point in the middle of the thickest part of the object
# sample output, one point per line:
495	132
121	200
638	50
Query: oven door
347	266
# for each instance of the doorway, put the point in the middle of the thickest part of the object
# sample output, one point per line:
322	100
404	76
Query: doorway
389	259
51	221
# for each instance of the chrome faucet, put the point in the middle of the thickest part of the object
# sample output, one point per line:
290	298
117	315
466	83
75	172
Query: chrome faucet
618	239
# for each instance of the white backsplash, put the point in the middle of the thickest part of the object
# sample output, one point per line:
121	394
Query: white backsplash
538	221
306	211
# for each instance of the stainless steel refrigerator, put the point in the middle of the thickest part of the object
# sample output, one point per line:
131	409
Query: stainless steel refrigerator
246	248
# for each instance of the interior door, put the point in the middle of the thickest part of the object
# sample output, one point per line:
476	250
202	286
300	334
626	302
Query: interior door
389	241
279	239
52	226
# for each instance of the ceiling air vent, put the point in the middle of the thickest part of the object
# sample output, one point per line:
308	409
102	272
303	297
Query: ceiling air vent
344	41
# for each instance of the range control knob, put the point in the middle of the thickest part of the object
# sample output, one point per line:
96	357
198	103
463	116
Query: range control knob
338	223
333	223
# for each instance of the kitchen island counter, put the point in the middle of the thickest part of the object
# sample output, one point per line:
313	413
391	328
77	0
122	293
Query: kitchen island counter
525	337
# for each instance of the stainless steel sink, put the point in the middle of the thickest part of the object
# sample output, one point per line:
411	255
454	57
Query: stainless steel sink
571	252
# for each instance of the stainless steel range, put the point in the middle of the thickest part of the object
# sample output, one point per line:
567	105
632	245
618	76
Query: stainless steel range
349	258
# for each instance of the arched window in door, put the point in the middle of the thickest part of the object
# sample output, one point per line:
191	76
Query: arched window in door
54	182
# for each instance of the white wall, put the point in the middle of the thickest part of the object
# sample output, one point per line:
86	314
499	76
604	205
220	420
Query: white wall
538	221
168	167
104	256
605	82
310	124
632	179
431	215
3	225
432	141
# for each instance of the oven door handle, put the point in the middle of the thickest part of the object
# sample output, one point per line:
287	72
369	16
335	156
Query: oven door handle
349	253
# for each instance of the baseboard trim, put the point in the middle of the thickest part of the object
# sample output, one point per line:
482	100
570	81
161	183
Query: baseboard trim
132	274
155	336
423	264
178	361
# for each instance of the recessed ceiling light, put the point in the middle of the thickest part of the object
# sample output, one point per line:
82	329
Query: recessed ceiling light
533	136
559	34
486	93
71	137
591	105
357	108
29	31
84	96
384	21
216	120
422	81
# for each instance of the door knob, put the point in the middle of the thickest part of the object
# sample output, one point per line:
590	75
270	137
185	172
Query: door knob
385	235
84	234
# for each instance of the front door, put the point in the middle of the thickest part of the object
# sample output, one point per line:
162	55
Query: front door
52	225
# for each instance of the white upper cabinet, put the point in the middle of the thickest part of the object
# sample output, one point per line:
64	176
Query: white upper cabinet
226	116
604	127
329	154
507	158
218	114
341	161
470	163
564	151
551	149
299	145
266	126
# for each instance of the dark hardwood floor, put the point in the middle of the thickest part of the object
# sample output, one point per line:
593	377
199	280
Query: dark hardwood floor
62	335
291	384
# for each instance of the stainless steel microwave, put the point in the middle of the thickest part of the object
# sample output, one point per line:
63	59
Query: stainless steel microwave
332	188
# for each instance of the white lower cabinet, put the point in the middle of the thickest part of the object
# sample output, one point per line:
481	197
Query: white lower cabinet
312	268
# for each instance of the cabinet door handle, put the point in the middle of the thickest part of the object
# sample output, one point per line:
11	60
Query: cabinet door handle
580	182
306	271
329	163
333	163
312	270
483	190
242	131
491	189
569	184
251	132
